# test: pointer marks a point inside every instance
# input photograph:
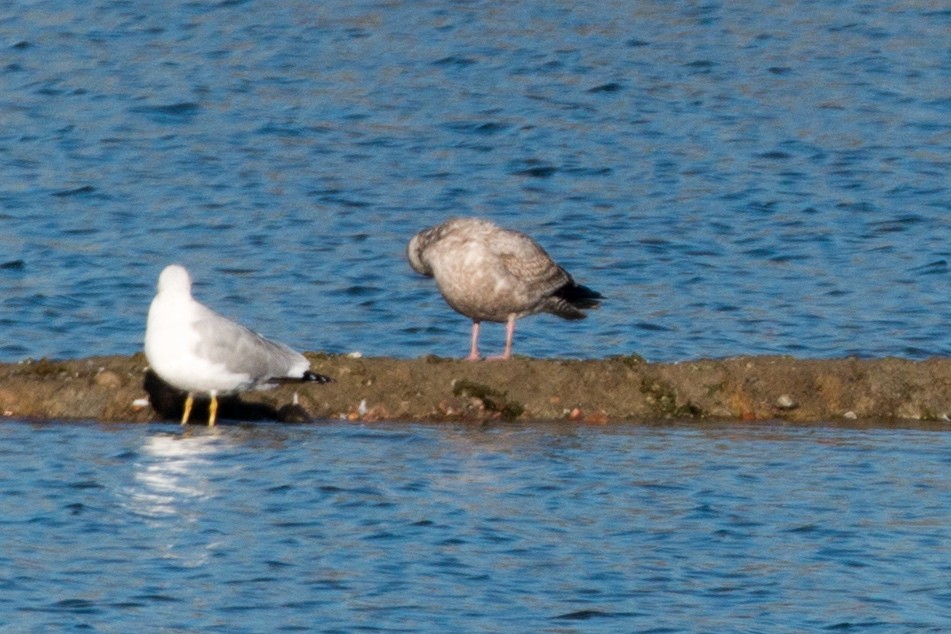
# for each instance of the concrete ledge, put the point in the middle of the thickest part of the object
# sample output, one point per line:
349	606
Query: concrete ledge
859	391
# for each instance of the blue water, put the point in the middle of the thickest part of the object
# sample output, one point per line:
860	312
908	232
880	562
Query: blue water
761	178
746	178
447	528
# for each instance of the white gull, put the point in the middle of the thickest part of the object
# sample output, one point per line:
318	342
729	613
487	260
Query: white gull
193	348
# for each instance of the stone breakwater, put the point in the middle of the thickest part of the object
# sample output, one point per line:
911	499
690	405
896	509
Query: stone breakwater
859	391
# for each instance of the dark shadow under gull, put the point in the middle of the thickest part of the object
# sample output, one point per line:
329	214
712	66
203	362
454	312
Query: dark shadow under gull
194	349
488	273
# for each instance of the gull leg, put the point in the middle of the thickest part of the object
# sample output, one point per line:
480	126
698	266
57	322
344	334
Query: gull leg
509	333
474	351
189	401
213	410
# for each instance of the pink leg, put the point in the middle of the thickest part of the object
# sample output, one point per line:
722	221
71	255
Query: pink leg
509	334
474	351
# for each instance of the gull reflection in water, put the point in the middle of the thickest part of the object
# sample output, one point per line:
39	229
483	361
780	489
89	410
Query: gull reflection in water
176	471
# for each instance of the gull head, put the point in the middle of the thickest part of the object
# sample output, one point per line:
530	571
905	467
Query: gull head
414	253
175	279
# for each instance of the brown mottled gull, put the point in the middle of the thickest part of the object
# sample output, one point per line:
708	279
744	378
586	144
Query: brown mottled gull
194	349
488	273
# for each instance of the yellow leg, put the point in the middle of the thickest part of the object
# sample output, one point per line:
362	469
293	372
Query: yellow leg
213	410
188	407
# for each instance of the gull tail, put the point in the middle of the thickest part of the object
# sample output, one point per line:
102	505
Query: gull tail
569	300
307	377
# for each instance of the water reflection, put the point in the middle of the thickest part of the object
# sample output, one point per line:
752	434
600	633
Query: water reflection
462	528
175	474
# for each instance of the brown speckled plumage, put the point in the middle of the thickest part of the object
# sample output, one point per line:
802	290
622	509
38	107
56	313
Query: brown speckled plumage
488	273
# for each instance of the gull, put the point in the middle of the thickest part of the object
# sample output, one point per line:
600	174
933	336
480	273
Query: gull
488	273
193	348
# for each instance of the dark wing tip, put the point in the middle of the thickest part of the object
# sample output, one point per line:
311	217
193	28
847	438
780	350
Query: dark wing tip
317	378
579	296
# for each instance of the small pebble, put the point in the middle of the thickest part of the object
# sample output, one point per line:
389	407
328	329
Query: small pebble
786	402
596	418
109	379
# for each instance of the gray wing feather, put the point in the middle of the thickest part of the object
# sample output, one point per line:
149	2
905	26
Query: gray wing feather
528	262
242	350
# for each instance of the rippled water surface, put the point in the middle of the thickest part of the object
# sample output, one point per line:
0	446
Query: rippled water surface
737	178
540	528
754	178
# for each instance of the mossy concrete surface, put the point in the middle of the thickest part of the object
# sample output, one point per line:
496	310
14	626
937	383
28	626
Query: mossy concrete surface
119	389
